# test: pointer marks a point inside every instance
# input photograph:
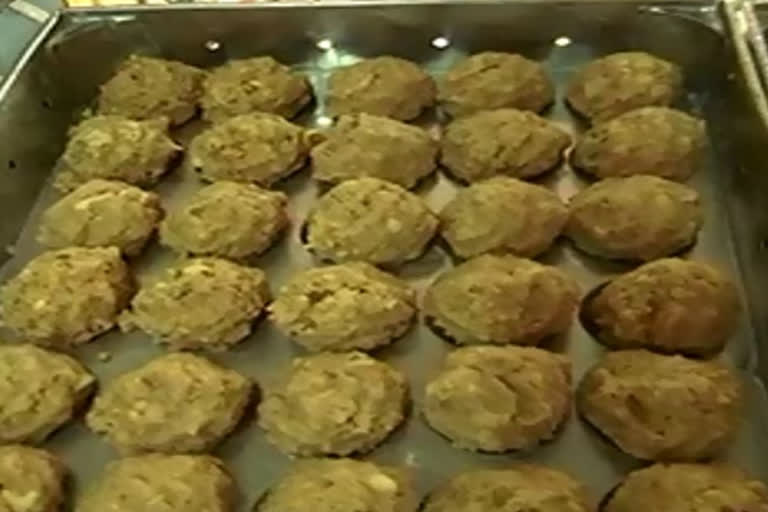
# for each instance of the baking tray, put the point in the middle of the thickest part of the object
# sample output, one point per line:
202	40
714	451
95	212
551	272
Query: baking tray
79	49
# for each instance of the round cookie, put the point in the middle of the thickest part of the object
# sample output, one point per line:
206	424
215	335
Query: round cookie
495	399
68	296
159	483
382	86
362	145
688	487
657	141
227	219
252	148
99	214
334	404
494	80
669	305
174	404
116	148
40	391
145	87
659	407
344	307
620	82
201	303
637	218
371	220
333	485
259	84
512	142
521	488
501	300
31	480
502	215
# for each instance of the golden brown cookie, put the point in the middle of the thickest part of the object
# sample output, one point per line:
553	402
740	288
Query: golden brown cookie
494	80
200	303
501	300
494	399
226	219
508	142
370	220
177	403
620	82
68	296
640	218
147	87
670	305
333	485
502	215
352	306
657	141
688	487
520	488
659	407
333	404
258	84
382	86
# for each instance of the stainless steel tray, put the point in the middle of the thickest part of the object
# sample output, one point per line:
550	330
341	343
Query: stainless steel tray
78	50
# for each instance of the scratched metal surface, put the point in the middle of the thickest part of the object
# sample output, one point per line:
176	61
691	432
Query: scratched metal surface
61	76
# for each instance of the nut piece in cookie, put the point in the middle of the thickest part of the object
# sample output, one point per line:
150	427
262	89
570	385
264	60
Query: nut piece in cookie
352	306
361	145
334	404
177	403
31	480
520	488
659	407
509	142
146	87
226	219
502	215
201	303
259	84
494	399
639	218
333	485
620	82
501	300
102	213
252	148
40	391
154	483
116	148
371	220
657	141
494	80
67	297
382	86
670	305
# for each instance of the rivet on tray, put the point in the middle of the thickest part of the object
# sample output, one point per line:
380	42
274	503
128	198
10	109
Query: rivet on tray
441	43
212	46
563	41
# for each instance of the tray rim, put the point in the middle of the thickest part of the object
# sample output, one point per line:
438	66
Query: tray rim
97	14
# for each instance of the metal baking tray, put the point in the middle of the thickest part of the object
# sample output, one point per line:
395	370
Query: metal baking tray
79	49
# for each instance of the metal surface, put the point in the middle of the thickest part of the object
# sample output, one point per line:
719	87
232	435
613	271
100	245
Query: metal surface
60	76
29	10
17	30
